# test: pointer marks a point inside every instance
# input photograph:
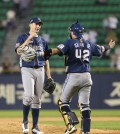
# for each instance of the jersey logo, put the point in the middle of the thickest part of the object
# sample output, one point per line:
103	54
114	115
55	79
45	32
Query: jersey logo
76	45
40	48
31	41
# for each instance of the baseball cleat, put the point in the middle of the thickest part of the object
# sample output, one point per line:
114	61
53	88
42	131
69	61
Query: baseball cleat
25	128
71	131
36	130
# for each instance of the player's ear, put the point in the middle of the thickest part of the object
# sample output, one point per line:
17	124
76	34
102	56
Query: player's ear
30	24
73	35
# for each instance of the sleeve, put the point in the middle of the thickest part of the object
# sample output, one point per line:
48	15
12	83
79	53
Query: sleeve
46	46
63	48
19	42
96	50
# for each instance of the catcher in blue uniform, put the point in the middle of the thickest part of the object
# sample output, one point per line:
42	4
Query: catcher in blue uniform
78	54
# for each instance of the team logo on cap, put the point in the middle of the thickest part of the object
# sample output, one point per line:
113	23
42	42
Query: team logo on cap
31	21
38	19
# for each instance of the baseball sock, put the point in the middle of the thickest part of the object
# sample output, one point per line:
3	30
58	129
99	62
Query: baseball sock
26	110
35	116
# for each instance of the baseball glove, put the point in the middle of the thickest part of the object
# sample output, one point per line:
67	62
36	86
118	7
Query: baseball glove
50	86
27	53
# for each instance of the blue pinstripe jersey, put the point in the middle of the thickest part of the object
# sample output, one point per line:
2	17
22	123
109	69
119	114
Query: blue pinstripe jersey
39	45
78	54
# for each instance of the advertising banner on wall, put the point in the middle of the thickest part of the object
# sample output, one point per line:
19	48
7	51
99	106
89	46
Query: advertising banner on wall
105	93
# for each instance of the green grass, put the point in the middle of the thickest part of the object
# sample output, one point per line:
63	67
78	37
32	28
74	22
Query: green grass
55	113
18	113
113	125
106	125
105	113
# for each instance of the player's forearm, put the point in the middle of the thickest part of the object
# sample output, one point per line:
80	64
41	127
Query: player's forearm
47	69
26	42
23	45
55	51
105	48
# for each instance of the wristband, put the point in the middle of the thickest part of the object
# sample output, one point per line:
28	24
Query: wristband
107	47
48	52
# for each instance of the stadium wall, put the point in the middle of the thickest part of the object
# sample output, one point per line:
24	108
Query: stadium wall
105	92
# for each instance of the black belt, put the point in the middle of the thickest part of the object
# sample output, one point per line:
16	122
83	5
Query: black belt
36	67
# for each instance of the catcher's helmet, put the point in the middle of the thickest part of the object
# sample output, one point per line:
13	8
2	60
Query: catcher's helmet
77	29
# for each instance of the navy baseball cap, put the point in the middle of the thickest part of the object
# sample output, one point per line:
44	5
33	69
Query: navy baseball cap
36	20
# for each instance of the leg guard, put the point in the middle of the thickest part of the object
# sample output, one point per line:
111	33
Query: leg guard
69	117
72	118
85	125
85	121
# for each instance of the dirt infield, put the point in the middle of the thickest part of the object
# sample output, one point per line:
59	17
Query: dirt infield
13	126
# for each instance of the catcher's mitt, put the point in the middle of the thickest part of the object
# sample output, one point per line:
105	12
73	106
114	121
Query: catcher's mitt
50	86
27	53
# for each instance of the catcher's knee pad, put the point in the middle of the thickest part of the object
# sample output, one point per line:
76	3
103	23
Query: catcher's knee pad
84	107
36	103
68	116
85	121
27	100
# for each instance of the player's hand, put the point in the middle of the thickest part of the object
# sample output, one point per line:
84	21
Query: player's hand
33	34
20	49
111	44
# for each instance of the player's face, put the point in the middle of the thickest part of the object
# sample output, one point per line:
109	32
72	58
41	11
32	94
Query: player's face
35	27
